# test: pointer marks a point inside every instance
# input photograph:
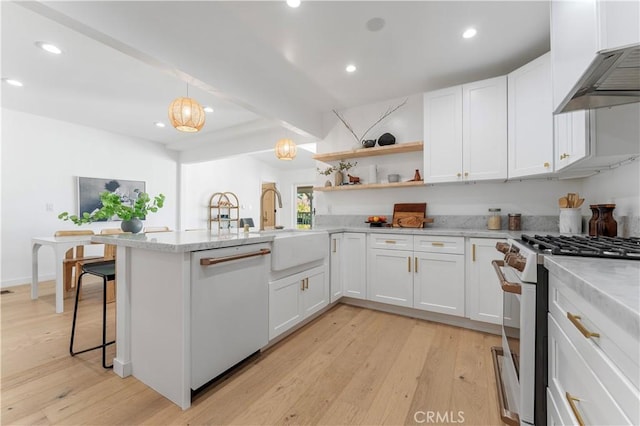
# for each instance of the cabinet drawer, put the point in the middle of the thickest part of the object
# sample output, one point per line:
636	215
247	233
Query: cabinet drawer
435	244
614	349
570	376
391	241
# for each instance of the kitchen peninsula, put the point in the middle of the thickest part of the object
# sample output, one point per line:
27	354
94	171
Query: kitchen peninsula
163	281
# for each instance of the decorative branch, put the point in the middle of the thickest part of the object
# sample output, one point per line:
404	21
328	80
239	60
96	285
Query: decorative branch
389	111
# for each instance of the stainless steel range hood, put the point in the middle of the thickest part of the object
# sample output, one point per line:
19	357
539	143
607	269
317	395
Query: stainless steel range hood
613	78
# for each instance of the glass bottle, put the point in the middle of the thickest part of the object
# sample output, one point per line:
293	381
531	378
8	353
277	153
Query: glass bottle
606	225
594	220
493	222
514	221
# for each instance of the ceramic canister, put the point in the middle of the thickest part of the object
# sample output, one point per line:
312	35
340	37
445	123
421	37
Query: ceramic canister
570	221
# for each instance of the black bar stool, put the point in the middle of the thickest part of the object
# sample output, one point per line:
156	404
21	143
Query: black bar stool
107	271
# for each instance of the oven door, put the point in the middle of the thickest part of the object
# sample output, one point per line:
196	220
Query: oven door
516	367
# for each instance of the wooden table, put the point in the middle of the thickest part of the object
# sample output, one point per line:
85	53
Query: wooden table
60	246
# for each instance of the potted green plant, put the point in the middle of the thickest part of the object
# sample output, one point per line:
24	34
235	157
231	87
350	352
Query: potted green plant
112	206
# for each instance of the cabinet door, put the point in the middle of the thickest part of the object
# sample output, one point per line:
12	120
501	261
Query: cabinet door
530	119
315	295
443	135
572	138
285	308
391	277
354	265
336	267
439	283
484	129
483	292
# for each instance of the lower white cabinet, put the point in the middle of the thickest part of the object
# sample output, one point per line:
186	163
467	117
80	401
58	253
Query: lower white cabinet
439	283
391	276
294	298
336	283
483	292
593	369
354	265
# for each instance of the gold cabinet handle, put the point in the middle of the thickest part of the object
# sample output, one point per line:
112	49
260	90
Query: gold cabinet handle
546	165
575	320
565	155
466	174
415	266
390	241
572	403
459	174
409	263
437	244
306	283
302	285
334	245
473	252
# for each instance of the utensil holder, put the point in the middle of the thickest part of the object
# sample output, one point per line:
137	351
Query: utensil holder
570	221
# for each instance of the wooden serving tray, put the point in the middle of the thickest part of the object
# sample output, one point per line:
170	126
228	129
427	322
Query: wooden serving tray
410	215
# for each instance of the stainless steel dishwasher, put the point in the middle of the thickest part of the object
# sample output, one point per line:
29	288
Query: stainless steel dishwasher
229	308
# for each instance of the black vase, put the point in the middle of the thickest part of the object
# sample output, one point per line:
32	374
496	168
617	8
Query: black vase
386	139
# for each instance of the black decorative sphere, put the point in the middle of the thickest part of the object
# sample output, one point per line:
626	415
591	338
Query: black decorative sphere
386	139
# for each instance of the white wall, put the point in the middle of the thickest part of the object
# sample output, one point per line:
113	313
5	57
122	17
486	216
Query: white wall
41	159
242	175
532	197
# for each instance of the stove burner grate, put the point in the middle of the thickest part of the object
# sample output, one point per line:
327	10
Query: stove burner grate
605	247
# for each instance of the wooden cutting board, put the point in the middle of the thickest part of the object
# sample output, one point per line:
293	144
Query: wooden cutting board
410	215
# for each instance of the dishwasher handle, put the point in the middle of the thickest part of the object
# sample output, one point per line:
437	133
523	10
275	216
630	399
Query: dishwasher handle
207	261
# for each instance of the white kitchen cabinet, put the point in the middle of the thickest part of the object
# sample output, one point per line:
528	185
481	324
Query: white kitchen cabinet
439	283
572	135
592	358
483	291
336	283
294	298
443	135
354	265
391	276
579	29
465	132
530	119
484	129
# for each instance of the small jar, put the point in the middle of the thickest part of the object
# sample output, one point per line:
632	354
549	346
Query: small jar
493	222
514	221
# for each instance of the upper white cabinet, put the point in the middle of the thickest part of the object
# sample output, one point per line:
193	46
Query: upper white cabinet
530	119
579	29
572	134
465	132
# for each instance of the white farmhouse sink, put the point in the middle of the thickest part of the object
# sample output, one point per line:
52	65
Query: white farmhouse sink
295	248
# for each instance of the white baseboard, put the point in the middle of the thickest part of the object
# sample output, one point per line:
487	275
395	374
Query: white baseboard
25	280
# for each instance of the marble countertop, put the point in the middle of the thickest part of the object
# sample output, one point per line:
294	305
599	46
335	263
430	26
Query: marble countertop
449	232
612	285
183	241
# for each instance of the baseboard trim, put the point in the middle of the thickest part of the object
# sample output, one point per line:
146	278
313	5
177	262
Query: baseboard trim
25	280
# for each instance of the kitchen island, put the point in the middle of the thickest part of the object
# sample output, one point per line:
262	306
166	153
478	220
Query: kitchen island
154	322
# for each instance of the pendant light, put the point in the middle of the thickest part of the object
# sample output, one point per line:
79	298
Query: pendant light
286	149
186	114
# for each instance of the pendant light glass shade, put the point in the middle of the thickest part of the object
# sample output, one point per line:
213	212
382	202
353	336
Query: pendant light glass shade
186	115
286	149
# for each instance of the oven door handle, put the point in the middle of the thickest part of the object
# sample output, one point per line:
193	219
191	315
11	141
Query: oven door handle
507	286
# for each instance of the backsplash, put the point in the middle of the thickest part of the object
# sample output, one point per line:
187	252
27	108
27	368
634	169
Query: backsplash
627	225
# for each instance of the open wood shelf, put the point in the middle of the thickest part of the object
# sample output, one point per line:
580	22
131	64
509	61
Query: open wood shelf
368	186
371	152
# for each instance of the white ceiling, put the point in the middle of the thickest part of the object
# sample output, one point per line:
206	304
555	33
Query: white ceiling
260	65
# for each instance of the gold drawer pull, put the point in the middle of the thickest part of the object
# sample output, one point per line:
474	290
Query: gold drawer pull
473	252
409	263
572	403
334	245
437	244
575	320
415	266
390	241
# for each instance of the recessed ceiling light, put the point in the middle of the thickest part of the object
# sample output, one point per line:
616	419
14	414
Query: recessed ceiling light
375	24
208	109
350	68
51	48
293	3
469	32
159	124
12	82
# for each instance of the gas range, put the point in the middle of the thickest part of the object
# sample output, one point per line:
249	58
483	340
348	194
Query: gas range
602	247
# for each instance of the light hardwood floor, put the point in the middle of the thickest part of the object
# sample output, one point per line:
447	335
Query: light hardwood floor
350	366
